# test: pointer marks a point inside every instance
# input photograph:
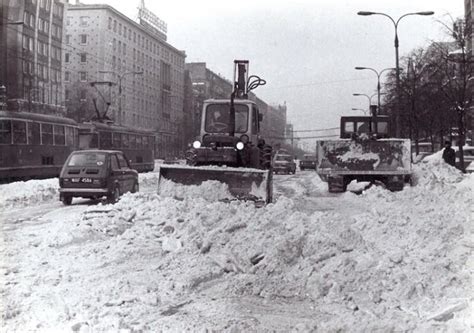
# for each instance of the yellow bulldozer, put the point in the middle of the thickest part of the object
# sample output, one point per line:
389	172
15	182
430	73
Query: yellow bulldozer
229	148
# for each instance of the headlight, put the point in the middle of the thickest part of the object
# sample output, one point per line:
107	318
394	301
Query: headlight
196	144
239	145
244	138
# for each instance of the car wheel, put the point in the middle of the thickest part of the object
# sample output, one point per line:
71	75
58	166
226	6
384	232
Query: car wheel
67	200
135	187
114	196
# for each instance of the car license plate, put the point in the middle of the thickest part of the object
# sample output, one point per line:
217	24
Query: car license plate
86	180
75	180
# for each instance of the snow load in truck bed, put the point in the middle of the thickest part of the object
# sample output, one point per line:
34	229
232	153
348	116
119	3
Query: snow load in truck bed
385	155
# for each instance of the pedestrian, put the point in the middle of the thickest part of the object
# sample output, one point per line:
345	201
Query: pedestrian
449	156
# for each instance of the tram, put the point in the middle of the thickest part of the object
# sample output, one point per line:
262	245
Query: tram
137	145
34	145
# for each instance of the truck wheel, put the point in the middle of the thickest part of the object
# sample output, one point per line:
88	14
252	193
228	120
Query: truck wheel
395	183
114	196
66	199
135	188
336	184
266	157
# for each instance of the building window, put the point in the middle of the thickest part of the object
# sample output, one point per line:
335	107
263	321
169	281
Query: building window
83	57
110	23
67	76
68	20
25	42
67	94
83	21
66	57
68	39
32	21
83	95
83	76
83	39
115	26
120	29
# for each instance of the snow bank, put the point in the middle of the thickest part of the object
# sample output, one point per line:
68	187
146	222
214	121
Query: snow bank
379	261
21	194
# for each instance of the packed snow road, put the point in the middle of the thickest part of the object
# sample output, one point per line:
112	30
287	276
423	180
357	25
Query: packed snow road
183	260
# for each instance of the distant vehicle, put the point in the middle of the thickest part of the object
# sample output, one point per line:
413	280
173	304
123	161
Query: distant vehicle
308	162
283	163
365	152
95	174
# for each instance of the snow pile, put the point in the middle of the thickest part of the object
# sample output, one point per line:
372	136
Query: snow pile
20	194
379	261
210	190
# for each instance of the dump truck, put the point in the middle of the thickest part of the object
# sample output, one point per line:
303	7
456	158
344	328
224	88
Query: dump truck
365	152
229	148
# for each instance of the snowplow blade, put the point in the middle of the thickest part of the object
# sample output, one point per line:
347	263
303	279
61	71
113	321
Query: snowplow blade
243	183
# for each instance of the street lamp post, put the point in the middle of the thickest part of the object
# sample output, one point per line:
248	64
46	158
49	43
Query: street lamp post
378	81
356	109
120	77
397	65
368	97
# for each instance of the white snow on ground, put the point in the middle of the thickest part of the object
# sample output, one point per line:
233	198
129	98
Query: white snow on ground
379	261
20	194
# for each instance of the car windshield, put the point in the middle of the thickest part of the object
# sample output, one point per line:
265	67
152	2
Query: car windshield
217	118
283	158
308	157
87	159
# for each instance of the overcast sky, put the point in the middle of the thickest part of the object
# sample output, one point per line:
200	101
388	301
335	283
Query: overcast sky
306	50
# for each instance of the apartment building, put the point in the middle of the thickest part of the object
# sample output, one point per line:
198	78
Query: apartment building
30	45
125	70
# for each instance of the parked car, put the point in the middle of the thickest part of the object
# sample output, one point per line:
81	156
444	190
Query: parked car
95	174
308	162
283	163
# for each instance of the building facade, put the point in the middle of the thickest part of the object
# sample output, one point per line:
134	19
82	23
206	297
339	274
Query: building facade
125	71
31	33
207	84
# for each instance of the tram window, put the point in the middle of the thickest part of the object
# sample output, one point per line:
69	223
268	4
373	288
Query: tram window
19	132
94	143
125	141
139	141
6	131
133	140
116	143
69	136
46	134
59	136
105	140
34	137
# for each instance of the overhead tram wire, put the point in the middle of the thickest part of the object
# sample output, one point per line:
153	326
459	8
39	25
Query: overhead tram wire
318	83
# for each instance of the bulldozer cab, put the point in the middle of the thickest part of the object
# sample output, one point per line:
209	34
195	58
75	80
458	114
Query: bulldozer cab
216	119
